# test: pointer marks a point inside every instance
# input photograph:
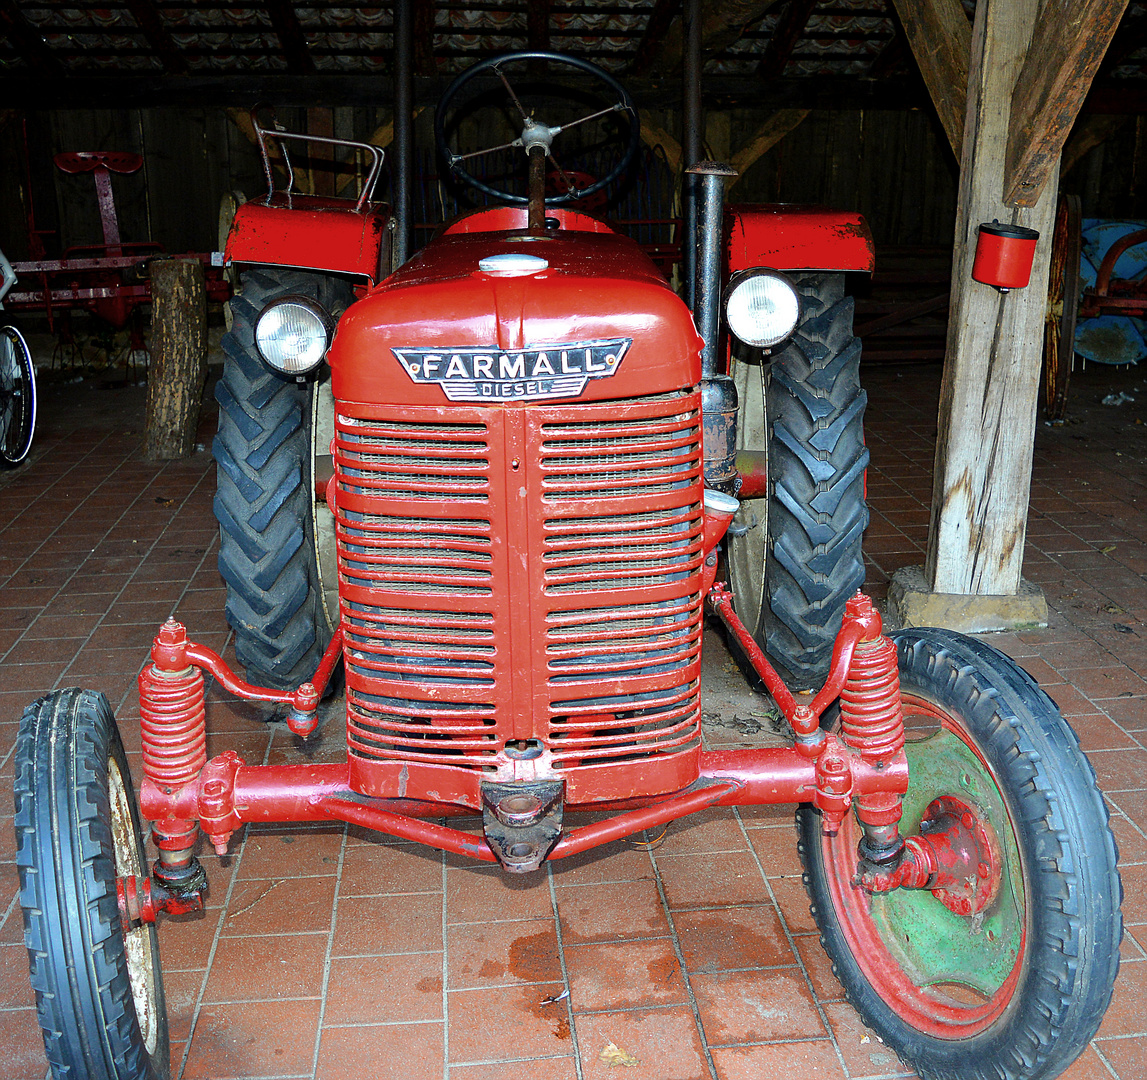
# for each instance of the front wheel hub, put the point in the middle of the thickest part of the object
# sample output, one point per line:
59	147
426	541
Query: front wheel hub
967	851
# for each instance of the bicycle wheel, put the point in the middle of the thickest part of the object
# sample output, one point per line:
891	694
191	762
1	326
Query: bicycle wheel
17	397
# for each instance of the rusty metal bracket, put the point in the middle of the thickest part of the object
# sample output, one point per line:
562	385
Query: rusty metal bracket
522	821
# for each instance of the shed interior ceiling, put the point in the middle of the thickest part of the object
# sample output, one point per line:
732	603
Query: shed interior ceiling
166	45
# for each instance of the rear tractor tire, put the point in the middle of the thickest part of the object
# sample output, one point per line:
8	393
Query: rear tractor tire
1014	985
794	556
99	990
276	543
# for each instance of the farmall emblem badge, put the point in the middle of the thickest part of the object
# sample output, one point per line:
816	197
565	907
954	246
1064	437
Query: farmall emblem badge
541	371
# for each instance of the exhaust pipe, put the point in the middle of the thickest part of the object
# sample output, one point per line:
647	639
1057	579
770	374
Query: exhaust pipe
718	392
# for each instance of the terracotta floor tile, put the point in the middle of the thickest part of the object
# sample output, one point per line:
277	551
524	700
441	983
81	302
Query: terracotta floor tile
755	1006
794	905
1129	713
267	968
611	912
376	925
389	1052
480	895
1134	893
555	1068
727	938
285	851
292	905
23	1056
703	880
181	990
616	861
502	953
1133	804
267	1038
664	1043
864	1054
1099	733
185	940
507	1023
709	831
380	869
776	847
825	984
625	975
374	989
1126	1015
1128	1056
1120	770
783	1061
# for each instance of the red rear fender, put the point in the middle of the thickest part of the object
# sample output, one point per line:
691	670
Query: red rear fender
792	237
313	234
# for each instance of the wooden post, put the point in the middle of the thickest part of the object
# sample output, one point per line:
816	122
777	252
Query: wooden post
989	392
178	357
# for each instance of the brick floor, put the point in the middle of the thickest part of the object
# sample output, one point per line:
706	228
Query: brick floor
327	952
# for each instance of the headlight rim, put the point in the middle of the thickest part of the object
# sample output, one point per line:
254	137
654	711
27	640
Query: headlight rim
309	303
737	280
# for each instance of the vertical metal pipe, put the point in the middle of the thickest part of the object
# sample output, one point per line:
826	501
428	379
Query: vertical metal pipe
709	176
691	144
402	165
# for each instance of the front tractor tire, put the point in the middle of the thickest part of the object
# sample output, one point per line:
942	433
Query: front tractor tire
794	556
1016	989
99	990
272	552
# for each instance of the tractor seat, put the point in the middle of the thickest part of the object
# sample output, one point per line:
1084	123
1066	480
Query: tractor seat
82	161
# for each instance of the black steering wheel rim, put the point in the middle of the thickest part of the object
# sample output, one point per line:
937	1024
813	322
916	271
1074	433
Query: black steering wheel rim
460	173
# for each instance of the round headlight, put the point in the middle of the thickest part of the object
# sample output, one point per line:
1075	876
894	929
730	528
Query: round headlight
293	334
762	307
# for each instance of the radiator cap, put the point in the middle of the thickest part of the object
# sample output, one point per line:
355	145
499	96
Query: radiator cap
512	264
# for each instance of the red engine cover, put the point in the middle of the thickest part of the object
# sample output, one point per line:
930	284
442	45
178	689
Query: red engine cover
522	572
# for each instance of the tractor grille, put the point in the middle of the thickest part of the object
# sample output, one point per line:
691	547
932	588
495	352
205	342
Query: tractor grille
522	574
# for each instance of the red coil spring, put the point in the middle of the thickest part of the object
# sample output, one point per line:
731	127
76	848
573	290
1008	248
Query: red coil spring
171	710
872	718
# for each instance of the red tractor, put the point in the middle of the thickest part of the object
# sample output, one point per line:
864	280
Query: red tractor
492	487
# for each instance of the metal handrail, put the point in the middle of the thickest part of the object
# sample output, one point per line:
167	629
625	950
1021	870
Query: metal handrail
375	152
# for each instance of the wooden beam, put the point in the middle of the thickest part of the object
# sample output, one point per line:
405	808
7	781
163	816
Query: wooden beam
894	58
147	19
1066	49
652	135
722	23
990	387
1087	134
538	25
786	34
771	132
286	25
938	32
660	19
424	63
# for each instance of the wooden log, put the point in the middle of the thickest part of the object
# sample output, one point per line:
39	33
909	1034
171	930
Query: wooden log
990	388
178	357
1067	46
937	31
771	132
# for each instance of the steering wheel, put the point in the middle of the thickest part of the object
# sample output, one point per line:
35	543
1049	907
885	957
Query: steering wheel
535	133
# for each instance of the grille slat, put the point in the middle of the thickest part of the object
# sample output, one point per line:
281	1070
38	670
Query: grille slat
432	667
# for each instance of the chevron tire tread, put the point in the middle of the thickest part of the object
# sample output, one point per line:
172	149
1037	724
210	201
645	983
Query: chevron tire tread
817	458
263	499
1068	860
67	747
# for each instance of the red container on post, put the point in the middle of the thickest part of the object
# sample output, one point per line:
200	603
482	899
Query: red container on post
1004	255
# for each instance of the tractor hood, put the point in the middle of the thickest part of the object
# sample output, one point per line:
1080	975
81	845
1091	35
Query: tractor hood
587	317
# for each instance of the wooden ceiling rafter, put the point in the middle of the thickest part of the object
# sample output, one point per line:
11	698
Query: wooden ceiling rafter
656	28
286	25
940	37
1068	43
424	38
155	33
790	26
722	23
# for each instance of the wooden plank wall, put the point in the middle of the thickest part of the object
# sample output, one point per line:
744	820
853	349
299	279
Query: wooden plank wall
894	167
